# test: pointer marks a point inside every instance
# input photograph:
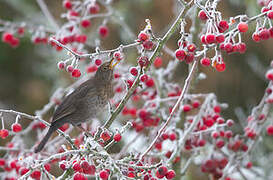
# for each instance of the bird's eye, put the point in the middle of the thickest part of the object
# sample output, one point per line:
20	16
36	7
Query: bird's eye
105	68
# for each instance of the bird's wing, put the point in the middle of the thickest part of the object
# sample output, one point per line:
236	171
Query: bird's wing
70	103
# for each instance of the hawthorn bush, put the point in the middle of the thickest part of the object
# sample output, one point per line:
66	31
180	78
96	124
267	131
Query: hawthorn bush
156	127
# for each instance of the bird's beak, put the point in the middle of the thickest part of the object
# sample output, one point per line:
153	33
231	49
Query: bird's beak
112	64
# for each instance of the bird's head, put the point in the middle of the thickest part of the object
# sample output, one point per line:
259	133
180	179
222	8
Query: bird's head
105	71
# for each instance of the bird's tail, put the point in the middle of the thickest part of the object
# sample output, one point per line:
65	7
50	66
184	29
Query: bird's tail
53	127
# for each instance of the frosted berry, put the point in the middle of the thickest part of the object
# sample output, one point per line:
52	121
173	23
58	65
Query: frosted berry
103	31
4	133
223	26
67	4
7	37
256	37
76	73
191	48
242	27
76	167
205	61
186	108
61	65
94	8
270	14
210	38
35	174
180	54
117	137
78	176
134	71
144	78
172	136
264	34
220	38
47	167
202	15
161	172
105	136
143	61
220	67
98	62
16	127
170	174
195	104
148	45
85	23
269	75
118	56
269	130
104	174
189	58
143	36
69	68
158	62
150	82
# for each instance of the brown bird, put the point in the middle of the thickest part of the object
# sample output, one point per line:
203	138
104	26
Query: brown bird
84	102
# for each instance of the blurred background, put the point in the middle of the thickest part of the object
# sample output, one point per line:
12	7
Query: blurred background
29	76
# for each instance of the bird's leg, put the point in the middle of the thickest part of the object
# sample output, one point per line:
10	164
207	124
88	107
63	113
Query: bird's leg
111	109
84	130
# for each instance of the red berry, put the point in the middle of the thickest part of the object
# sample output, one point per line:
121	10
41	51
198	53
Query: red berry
264	34
217	109
201	142
220	38
150	82
85	23
94	8
210	38
269	75
78	176
230	122
36	174
203	39
269	130
23	171
118	56
170	174
98	62
67	4
191	48
69	68
186	108
4	133
134	71
180	54
91	69
103	31
249	165
21	31
189	58
143	61
242	27
241	47
47	167
161	172
220	143
104	174
205	61
81	38
220	67
76	167
144	78
228	47
16	127
270	14
63	166
14	42
172	136
255	37
61	65
158	62
117	137
215	134
195	104
202	15
223	26
105	136
2	162
76	73
143	36
271	32
7	37
148	45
